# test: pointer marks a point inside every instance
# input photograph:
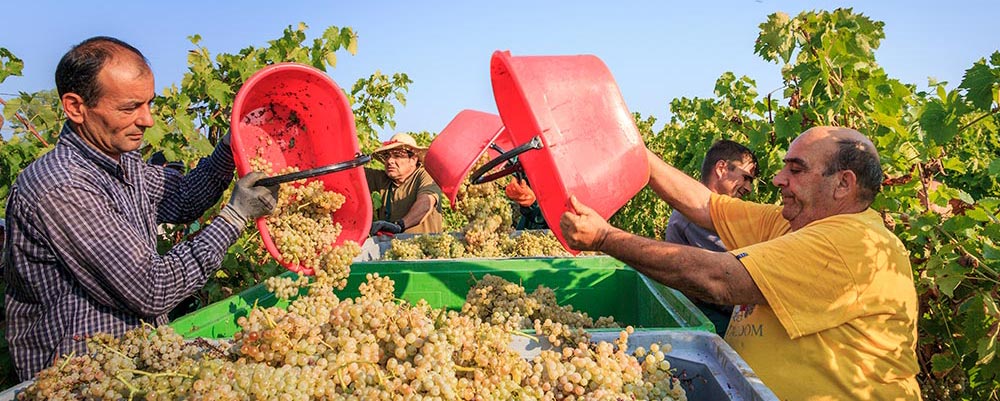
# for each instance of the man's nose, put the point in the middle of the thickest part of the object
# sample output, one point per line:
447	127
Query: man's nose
778	180
145	119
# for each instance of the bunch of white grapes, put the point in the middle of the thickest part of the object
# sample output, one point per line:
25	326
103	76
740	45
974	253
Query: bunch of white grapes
488	216
493	299
370	347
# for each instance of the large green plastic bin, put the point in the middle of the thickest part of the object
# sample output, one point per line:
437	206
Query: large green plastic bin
600	286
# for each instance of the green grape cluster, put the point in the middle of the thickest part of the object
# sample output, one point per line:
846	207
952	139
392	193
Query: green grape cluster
403	250
285	287
304	232
488	217
499	301
301	224
543	243
370	347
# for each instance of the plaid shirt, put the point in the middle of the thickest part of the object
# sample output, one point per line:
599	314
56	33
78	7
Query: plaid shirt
81	250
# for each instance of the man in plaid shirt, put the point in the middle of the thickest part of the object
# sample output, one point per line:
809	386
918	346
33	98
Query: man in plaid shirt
81	254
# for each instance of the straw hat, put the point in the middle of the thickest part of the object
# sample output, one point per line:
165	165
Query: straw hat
402	140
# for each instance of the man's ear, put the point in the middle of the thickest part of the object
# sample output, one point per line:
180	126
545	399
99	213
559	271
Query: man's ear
721	166
847	185
74	107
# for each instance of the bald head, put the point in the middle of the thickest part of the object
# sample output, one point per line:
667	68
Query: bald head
847	149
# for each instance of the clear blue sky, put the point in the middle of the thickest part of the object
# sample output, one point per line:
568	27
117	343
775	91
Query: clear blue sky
656	50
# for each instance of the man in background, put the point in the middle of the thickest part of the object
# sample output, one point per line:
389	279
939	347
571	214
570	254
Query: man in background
410	197
729	168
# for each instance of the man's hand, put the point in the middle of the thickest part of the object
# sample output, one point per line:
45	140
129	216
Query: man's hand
385	226
519	192
583	228
249	202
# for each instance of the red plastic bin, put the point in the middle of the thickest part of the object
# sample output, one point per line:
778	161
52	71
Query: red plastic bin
591	147
295	115
460	144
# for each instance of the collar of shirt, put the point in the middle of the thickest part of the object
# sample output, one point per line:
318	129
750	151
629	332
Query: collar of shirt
69	137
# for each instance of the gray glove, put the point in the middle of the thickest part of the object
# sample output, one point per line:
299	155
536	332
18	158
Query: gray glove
249	202
385	226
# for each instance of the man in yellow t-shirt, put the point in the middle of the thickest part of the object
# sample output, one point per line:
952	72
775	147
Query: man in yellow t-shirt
827	306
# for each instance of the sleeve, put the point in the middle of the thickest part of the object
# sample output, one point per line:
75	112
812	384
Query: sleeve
805	280
426	185
119	266
377	179
187	197
740	223
673	233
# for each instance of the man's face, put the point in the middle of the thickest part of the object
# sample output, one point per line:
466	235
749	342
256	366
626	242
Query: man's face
737	180
399	164
115	124
806	194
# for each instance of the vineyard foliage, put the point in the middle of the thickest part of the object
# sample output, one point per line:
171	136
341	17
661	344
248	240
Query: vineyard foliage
940	150
939	143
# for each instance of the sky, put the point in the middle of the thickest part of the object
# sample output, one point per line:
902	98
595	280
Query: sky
656	50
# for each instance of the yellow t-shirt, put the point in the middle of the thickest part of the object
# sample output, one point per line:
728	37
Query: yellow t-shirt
841	319
403	197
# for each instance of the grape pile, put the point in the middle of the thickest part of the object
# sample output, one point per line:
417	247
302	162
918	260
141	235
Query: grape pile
488	223
370	347
304	232
497	301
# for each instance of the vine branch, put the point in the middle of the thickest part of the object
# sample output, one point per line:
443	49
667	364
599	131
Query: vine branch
27	124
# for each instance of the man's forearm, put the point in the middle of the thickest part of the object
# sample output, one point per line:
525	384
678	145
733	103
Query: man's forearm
682	192
716	277
421	207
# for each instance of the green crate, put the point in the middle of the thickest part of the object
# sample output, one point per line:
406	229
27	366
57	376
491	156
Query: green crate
600	286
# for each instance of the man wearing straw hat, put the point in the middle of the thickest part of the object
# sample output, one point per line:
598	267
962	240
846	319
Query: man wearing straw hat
410	197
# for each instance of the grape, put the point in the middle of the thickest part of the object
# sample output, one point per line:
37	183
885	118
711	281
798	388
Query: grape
370	347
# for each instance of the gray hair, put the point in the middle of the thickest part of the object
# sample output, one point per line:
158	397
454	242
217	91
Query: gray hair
860	158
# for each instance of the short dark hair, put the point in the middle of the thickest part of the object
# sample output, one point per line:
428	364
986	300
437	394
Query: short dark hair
77	70
727	150
860	158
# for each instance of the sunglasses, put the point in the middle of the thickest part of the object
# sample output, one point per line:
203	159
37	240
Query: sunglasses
395	154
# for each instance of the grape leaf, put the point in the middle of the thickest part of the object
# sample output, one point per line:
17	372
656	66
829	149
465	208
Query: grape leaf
939	124
943	362
990	252
978	83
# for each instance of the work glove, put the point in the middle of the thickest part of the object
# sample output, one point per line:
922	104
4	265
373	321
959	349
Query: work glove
519	192
248	201
385	226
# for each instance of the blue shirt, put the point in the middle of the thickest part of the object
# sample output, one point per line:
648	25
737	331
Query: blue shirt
81	251
682	231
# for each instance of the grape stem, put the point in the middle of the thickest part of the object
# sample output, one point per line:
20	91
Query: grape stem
132	389
522	334
112	349
66	361
157	375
